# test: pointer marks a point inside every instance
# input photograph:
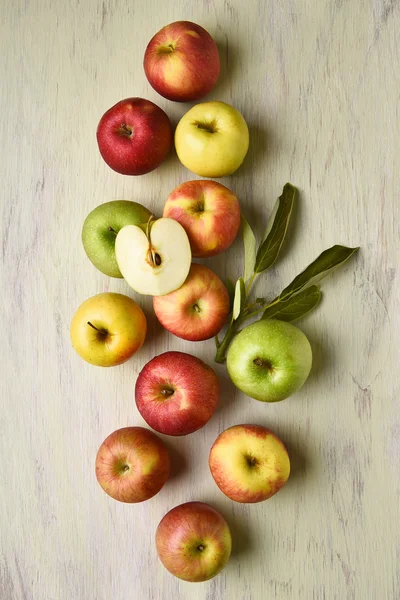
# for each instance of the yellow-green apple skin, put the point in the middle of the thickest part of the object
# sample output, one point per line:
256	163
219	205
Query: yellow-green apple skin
181	62
269	360
249	463
100	230
193	542
209	213
107	329
132	464
212	139
198	309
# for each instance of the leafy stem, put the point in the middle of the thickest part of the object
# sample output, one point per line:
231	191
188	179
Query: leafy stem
222	349
250	282
297	299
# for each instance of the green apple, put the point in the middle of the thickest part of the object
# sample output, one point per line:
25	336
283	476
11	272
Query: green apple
107	329
269	360
212	139
100	230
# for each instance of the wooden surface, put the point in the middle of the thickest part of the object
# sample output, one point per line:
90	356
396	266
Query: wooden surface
318	83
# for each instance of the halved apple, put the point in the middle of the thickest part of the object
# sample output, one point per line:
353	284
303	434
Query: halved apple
155	262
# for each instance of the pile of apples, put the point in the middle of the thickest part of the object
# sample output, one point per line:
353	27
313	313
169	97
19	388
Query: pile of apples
177	393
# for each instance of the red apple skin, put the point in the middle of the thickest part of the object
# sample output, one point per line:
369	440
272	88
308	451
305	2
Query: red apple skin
198	309
132	464
238	478
134	136
208	211
179	535
176	393
182	62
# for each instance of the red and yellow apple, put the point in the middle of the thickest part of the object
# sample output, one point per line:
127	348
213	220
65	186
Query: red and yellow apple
176	393
107	329
132	464
134	136
208	211
198	309
193	541
249	463
181	62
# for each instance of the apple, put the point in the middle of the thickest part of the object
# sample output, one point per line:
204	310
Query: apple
132	464
193	541
198	309
249	463
181	62
100	230
212	139
154	262
208	212
176	393
107	329
134	136
269	360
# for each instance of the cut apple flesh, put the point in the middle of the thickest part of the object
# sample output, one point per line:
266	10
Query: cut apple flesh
156	264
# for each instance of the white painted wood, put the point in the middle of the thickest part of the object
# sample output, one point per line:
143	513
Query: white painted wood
318	83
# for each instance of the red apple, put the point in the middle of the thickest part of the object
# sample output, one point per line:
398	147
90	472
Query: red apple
134	136
249	463
208	212
181	62
198	309
132	464
193	541
176	393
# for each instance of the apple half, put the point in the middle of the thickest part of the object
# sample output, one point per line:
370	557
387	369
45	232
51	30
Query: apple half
154	262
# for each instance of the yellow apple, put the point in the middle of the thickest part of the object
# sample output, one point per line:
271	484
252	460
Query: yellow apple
212	139
107	329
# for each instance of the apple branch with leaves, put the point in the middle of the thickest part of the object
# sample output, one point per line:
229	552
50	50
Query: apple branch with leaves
299	297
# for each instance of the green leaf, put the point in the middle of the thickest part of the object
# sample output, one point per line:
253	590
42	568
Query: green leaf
250	248
240	298
294	307
321	267
276	230
230	286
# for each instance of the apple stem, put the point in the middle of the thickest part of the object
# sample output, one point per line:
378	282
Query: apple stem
125	130
209	128
113	230
99	330
167	392
196	308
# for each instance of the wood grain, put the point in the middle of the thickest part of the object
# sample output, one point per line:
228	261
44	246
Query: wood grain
318	83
